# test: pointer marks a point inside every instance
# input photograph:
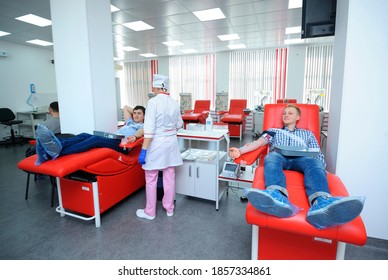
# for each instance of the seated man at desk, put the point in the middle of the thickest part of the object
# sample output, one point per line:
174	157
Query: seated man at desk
53	123
48	146
325	211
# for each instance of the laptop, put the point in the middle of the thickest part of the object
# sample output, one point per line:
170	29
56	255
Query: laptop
108	135
297	151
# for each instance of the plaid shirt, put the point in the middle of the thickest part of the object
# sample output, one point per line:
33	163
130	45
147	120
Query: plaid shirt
302	137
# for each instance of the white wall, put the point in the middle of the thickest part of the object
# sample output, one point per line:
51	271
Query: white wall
23	66
82	35
358	133
295	72
222	72
163	66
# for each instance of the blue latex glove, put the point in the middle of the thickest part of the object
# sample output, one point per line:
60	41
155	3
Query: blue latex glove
142	156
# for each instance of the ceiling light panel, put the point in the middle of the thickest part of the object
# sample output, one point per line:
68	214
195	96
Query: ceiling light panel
40	42
237	46
293	30
228	37
148	55
292	4
138	25
173	43
181	19
129	49
35	20
3	33
210	14
113	9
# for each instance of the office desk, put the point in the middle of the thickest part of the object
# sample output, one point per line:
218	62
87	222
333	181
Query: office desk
30	120
198	176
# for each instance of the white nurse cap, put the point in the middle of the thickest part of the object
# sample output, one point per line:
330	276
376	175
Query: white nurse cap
160	81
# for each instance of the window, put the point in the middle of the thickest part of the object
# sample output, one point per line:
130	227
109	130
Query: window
195	75
253	71
318	74
138	82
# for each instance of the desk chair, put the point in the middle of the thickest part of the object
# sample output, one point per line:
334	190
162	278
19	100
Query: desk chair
7	117
236	118
199	114
294	237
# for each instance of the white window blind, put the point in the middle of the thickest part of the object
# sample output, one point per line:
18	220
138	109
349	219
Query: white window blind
195	75
318	74
252	71
138	83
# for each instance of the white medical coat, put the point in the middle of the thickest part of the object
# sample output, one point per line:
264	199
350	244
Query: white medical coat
161	121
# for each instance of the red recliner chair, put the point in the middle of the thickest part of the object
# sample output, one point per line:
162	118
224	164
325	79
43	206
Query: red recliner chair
294	237
91	182
236	118
199	114
286	100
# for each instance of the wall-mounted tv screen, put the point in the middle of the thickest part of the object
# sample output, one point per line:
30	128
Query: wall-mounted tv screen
318	18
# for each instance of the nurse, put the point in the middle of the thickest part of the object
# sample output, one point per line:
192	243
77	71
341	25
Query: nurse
160	149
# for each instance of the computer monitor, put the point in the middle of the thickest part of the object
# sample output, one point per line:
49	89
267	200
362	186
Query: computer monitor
318	18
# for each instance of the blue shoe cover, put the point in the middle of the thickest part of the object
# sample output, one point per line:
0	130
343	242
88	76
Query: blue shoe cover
49	142
42	155
333	211
271	202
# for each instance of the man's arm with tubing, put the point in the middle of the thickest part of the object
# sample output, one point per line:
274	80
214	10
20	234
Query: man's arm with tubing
236	152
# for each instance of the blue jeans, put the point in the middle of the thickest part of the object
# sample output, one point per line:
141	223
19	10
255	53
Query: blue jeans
315	178
84	142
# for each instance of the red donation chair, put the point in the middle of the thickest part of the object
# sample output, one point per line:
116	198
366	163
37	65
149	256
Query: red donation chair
286	100
294	238
236	118
91	182
199	114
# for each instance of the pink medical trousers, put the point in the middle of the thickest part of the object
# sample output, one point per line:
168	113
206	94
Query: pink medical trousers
151	177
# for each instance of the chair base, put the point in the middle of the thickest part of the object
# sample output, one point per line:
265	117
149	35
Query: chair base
269	244
7	141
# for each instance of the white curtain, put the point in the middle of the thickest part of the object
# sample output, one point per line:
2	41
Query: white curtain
195	75
252	71
138	83
318	73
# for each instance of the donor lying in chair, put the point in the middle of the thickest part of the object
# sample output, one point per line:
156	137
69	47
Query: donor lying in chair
48	146
325	210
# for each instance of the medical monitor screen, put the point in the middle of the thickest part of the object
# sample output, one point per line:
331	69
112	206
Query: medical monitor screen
318	18
230	167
